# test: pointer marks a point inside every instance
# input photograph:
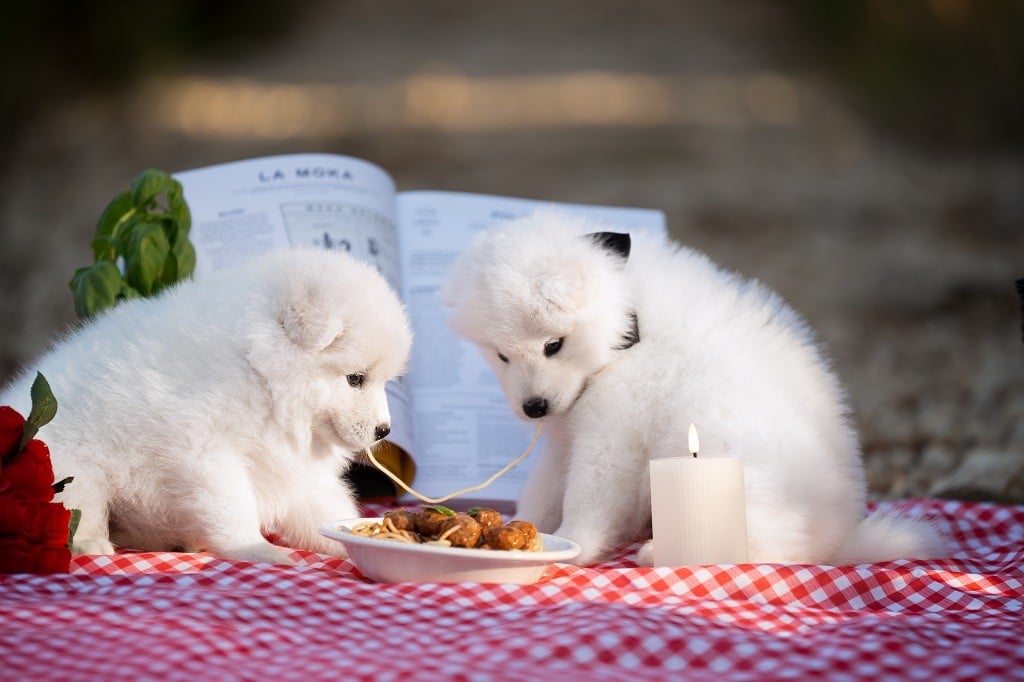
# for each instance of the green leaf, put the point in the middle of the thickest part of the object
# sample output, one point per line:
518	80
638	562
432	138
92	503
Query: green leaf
178	209
106	248
44	407
169	275
183	216
118	211
182	261
148	248
95	288
76	517
27	434
150	183
127	234
176	194
184	255
159	216
441	509
127	291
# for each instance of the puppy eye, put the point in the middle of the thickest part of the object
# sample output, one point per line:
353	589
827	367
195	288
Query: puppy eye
356	380
552	347
503	358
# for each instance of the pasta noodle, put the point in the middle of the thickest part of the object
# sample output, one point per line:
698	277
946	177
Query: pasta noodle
472	489
481	528
384	530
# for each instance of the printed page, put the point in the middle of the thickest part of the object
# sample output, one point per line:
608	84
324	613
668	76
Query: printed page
464	429
243	209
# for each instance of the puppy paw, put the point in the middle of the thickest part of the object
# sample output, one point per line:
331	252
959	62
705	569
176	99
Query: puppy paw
589	556
645	555
92	546
259	553
594	549
323	546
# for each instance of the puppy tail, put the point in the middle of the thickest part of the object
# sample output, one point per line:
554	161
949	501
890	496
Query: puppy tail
885	536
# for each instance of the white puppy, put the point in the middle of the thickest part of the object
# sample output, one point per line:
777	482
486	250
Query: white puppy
619	344
226	405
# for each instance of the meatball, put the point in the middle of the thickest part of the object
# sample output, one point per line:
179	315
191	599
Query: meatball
533	539
461	530
430	519
527	528
402	519
505	537
486	517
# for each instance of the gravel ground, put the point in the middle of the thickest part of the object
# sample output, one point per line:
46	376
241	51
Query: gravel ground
902	258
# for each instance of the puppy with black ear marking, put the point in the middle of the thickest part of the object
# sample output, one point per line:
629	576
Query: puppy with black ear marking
620	342
225	406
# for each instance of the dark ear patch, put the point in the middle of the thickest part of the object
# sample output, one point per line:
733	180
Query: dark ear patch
632	335
615	242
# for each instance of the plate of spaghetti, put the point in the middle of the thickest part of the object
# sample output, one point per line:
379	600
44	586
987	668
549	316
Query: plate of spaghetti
435	544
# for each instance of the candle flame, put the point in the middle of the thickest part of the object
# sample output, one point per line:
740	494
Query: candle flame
694	440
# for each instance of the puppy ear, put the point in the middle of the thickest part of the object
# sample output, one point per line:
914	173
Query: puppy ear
564	290
616	243
307	324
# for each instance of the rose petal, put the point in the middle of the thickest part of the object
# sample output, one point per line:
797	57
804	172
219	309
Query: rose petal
51	559
56	520
18	517
17	555
29	475
12	426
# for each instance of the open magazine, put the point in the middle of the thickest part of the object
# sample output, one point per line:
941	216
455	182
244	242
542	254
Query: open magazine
448	415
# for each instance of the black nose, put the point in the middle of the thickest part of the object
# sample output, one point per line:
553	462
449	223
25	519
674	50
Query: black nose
381	431
535	408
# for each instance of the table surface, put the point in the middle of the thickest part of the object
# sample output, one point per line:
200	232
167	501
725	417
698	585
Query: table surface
171	616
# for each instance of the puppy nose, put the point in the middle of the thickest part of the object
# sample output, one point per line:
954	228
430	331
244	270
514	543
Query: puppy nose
535	408
381	431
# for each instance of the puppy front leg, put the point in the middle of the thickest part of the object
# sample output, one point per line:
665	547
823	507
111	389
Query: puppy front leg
225	511
603	505
540	500
91	496
328	499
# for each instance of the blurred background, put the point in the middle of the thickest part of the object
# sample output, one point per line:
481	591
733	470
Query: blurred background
865	158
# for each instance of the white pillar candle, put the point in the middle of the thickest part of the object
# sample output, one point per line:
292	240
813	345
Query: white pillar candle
698	509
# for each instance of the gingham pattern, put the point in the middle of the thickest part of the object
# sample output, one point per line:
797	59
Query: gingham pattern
186	616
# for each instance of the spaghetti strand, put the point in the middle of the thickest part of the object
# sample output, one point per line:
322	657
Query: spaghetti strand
437	500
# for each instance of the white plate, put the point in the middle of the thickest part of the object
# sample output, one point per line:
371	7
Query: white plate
387	561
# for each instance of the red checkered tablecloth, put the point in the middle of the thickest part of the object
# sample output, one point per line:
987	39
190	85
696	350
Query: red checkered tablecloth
172	616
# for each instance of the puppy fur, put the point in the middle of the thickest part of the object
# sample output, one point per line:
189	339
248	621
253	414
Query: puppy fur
223	406
651	341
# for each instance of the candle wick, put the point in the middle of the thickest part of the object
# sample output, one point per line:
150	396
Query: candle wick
695	455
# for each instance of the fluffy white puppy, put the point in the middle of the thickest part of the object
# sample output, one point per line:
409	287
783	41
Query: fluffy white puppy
619	343
227	405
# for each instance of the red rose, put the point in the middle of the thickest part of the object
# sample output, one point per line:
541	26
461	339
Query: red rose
43	522
18	555
29	475
51	559
15	555
12	426
33	530
18	517
56	520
